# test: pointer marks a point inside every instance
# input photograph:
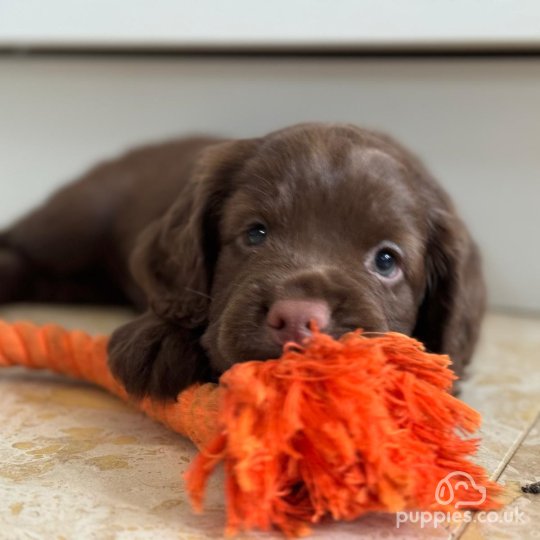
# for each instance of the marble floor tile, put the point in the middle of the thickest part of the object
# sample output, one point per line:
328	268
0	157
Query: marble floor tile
520	518
76	463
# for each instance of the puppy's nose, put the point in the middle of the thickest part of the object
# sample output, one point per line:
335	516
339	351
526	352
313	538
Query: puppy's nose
289	320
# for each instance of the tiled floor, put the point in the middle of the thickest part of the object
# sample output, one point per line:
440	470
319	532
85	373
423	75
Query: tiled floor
76	463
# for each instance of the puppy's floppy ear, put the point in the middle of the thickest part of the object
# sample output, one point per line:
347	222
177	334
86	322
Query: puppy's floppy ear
159	353
174	257
451	312
154	357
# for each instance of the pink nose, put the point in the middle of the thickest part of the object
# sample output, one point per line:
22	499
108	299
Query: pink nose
289	320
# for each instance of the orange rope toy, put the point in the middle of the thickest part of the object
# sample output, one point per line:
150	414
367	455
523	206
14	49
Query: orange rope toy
336	428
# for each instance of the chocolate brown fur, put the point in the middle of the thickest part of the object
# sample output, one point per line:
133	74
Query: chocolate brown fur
163	228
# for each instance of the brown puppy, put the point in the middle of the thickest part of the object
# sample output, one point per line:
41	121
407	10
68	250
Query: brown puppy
235	246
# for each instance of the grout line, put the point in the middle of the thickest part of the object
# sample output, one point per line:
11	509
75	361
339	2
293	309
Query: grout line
510	453
503	464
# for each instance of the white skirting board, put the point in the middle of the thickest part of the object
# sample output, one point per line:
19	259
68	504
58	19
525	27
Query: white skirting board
476	122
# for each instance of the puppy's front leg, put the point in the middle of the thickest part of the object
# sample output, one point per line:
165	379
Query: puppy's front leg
13	275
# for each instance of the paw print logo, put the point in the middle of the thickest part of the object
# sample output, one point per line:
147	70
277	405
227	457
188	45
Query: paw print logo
445	493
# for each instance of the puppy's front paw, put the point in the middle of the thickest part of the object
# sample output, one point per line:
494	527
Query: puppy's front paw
156	358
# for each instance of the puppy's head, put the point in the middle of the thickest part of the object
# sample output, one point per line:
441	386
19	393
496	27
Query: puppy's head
315	223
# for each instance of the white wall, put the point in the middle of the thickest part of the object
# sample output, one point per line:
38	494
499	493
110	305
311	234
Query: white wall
475	122
271	25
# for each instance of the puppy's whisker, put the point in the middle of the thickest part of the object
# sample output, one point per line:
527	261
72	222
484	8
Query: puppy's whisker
200	293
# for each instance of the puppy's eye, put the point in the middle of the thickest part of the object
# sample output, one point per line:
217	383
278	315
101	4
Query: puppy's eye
384	261
256	234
